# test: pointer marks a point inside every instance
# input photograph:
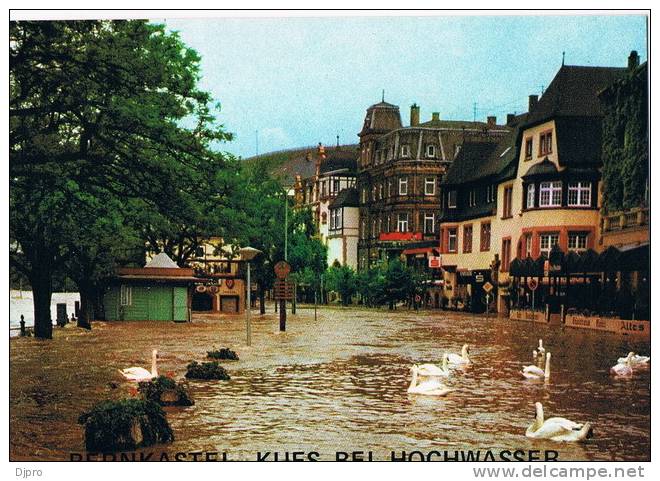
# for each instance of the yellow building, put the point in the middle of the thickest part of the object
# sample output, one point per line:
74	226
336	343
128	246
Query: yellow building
535	189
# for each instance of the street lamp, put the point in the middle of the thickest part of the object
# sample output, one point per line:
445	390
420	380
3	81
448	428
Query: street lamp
247	254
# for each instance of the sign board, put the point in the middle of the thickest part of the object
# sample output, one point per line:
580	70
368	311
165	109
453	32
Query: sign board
283	290
435	262
487	287
282	269
478	278
533	284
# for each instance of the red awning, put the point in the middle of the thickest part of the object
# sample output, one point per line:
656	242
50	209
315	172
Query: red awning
419	250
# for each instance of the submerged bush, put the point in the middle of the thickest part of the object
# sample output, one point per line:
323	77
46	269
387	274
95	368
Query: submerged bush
206	370
125	425
224	353
165	391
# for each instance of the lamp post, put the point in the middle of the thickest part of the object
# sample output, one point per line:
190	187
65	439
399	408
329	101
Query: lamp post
247	254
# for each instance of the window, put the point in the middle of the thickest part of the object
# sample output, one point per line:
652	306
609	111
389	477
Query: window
472	198
405	151
579	194
508	197
429	186
485	236
490	194
380	190
531	191
429	223
547	242
506	255
323	189
402	222
528	148
387	223
545	143
577	241
528	245
467	238
126	295
364	195
550	194
337	213
451	199
403	186
452	239
389	188
335	186
373	228
430	150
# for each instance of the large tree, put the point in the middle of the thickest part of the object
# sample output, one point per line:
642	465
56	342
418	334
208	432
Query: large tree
108	108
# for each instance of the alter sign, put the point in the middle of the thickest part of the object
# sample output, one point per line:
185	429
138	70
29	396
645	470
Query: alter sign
282	269
487	287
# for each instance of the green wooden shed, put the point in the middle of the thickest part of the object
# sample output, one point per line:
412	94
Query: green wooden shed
159	291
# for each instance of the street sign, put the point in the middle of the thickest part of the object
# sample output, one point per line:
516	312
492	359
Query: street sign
282	269
533	284
487	287
435	262
283	290
478	278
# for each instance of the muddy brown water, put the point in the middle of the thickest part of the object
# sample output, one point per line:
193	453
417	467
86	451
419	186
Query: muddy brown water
336	384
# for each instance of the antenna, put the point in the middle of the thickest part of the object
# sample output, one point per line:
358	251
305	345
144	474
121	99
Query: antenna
383	99
474	111
563	56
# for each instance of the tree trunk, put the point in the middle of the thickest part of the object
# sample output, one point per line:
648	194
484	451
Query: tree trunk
42	292
87	295
262	301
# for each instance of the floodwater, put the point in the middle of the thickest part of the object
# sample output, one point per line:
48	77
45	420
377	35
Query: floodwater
21	303
337	384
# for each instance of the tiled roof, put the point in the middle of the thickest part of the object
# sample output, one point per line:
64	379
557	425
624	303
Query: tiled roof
574	93
340	158
346	198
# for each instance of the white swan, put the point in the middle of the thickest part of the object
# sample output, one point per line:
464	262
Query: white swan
535	372
433	370
139	373
623	368
635	359
540	349
557	429
464	358
428	388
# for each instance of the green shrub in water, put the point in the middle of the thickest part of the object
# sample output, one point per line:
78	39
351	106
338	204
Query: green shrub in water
125	425
165	391
206	370
224	353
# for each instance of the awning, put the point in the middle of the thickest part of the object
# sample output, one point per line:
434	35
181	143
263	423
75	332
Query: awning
420	250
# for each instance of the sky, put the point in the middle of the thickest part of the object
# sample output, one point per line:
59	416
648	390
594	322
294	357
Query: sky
295	82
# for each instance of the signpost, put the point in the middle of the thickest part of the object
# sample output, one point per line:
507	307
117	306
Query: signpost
533	284
283	290
488	287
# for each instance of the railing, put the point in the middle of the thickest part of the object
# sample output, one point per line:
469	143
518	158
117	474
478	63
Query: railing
629	219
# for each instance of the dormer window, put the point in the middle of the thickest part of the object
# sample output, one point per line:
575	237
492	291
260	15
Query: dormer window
472	198
405	151
529	145
451	199
490	193
430	151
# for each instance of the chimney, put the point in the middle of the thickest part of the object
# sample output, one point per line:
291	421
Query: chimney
435	116
633	60
510	118
414	115
491	120
533	100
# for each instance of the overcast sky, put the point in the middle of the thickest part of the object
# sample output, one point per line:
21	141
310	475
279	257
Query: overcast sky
300	81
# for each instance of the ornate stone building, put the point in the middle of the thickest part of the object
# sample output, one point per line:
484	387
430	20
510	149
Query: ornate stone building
399	174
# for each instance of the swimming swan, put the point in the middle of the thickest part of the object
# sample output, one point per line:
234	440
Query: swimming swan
557	429
428	388
635	359
139	373
535	372
464	358
433	370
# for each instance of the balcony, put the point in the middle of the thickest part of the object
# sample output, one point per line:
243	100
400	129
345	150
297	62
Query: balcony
626	220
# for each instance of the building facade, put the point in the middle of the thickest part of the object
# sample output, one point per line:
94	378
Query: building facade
343	226
399	174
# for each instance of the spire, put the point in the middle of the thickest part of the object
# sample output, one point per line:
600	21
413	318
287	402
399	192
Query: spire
563	56
383	97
